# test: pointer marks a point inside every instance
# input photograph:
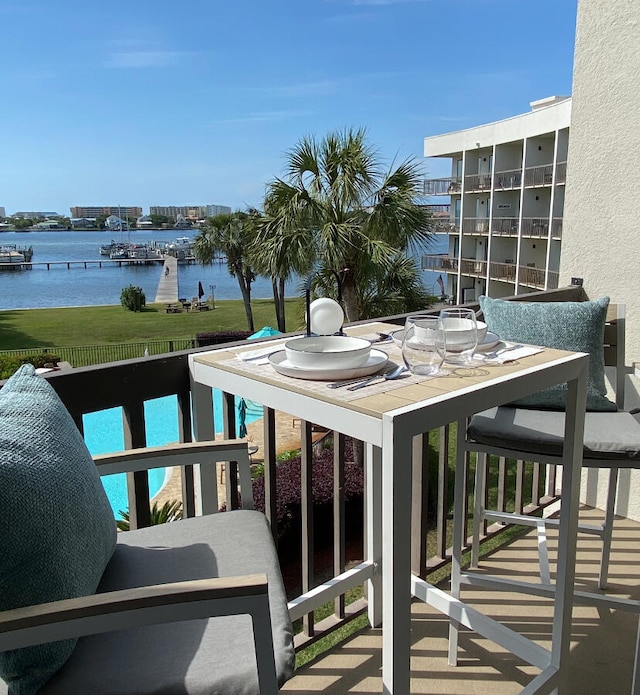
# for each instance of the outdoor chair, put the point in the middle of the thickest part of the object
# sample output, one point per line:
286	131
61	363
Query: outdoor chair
191	606
533	430
611	438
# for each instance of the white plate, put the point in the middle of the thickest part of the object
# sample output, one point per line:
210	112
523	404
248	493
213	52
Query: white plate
490	340
377	360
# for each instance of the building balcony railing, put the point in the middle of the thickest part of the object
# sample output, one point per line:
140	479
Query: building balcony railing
506	271
476	183
538	175
508	180
441	186
561	172
536	227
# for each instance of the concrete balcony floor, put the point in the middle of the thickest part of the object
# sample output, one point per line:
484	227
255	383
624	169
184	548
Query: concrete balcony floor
603	642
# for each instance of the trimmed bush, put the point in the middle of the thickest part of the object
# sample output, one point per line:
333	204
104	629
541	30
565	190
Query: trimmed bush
10	363
133	298
218	337
288	485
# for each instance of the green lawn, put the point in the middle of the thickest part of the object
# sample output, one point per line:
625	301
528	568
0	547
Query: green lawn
75	326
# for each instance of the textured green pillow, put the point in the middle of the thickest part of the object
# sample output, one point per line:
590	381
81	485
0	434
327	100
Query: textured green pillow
575	326
57	531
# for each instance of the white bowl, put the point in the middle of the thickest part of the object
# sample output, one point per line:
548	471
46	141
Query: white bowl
327	352
458	330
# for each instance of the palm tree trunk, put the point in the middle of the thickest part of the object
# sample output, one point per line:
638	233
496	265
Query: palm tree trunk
350	297
277	285
245	290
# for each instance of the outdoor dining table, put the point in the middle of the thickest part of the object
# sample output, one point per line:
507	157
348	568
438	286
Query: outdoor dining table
387	415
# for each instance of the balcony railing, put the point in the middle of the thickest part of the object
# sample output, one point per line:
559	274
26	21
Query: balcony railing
539	175
441	186
508	180
536	227
501	271
129	384
561	172
474	183
475	226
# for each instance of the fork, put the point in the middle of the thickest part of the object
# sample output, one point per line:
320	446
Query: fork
497	353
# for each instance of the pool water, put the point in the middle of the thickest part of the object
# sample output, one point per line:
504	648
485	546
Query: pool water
104	434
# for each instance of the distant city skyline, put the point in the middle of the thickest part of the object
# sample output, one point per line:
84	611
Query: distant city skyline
118	102
93	211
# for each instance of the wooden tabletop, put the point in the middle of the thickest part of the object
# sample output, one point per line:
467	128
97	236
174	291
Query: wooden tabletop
384	396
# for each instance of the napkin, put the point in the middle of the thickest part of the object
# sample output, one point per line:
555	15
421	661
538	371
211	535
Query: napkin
259	356
518	353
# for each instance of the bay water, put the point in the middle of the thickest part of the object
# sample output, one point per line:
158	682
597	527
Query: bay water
78	286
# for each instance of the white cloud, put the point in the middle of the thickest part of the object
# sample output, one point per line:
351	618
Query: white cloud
144	59
263	117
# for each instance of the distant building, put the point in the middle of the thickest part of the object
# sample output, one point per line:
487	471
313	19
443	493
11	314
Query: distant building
101	211
2	212
83	222
48	224
34	215
189	212
115	224
213	210
144	221
506	189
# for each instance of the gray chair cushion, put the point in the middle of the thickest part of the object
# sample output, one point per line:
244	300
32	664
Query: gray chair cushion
57	528
200	656
575	326
606	436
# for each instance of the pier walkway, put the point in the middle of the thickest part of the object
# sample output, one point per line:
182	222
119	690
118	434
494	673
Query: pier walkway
167	292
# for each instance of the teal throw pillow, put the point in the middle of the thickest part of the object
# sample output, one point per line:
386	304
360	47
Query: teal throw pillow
57	531
575	326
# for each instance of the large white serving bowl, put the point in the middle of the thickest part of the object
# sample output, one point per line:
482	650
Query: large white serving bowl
327	352
457	331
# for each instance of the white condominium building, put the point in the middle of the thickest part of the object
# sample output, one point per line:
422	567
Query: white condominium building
507	197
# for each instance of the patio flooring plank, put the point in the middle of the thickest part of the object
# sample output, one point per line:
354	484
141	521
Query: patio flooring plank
603	641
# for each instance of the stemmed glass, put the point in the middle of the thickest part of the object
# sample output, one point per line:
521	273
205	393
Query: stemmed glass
423	344
461	332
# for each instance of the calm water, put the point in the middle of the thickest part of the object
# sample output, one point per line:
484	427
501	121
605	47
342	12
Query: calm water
78	286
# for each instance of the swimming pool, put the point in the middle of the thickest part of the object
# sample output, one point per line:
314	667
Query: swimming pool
104	434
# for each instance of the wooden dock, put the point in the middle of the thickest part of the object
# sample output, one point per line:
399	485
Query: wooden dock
93	262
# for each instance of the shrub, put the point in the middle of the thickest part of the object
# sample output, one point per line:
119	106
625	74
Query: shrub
133	298
170	511
218	337
288	485
10	363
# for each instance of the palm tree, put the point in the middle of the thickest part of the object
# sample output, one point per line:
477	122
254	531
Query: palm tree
338	205
231	235
280	256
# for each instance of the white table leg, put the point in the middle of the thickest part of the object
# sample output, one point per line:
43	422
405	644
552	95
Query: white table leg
396	558
459	502
568	529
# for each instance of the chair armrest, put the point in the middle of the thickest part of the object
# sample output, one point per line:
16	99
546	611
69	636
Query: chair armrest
176	454
127	608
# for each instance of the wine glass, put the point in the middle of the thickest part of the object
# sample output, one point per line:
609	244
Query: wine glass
461	332
423	344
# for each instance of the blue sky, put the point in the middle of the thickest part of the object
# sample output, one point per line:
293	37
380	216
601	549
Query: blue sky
152	102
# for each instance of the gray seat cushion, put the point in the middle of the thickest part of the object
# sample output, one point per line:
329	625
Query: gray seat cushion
607	435
202	656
